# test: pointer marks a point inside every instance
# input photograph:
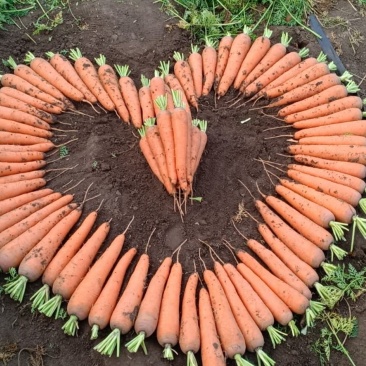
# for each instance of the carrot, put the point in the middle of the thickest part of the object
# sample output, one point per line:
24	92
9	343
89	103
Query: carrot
14	251
276	266
17	127
8	190
20	227
89	75
43	68
72	274
146	151
35	79
109	81
180	131
189	334
333	140
130	95
336	177
148	314
303	225
211	351
169	95
157	149
203	142
36	260
287	62
59	261
64	67
252	334
88	290
274	54
355	169
342	210
167	330
11	102
18	214
21	156
209	61
253	56
125	312
18	116
326	96
301	246
348	115
15	202
195	147
18	83
43	147
223	53
157	88
101	311
146	101
300	268
36	103
238	51
327	109
164	123
15	168
196	64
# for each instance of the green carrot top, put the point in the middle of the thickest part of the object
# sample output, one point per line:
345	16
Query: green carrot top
210	42
75	54
122	70
142	131
304	52
10	62
49	54
29	56
101	60
332	66
177	99
285	39
164	68
178	56
322	57
352	87
145	81
195	48
267	33
203	126
162	102
149	122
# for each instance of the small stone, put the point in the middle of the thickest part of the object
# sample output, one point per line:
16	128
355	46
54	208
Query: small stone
118	193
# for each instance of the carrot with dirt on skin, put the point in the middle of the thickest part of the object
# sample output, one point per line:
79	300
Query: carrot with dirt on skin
17	127
21	156
38	81
130	95
8	190
209	61
203	142
157	88
223	53
146	101
333	140
356	169
22	176
275	53
125	312
196	65
15	168
195	147
109	81
168	93
64	67
148	313
89	75
74	271
43	147
18	116
240	47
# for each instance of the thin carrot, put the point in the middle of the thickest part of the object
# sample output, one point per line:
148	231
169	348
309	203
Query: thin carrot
21	156
130	95
146	101
17	127
203	142
195	147
209	61
18	116
43	147
196	64
8	190
223	53
333	140
15	168
169	95
157	88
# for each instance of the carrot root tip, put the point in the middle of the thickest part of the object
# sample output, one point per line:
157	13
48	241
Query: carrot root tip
168	352
134	344
94	331
276	336
40	297
51	307
263	358
16	288
71	326
108	345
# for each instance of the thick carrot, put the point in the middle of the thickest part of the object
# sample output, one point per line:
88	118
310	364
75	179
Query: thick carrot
203	142
333	140
301	246
15	168
253	56
109	81
124	314
342	210
196	65
211	351
130	95
18	116
21	156
18	127
303	225
146	101
355	169
64	67
347	115
275	53
148	314
157	88
326	109
20	227
301	269
8	190
336	177
101	311
348	153
43	147
43	68
189	334
89	75
18	83
35	102
209	61
223	53
167	330
88	290
14	251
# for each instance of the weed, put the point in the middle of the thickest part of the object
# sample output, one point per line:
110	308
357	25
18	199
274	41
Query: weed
63	151
10	9
95	165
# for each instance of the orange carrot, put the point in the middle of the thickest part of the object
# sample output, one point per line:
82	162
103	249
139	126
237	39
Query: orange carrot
209	61
21	156
195	147
8	190
223	53
333	140
157	88
130	95
169	95
22	117
17	127
146	101
14	168
196	64
203	142
43	147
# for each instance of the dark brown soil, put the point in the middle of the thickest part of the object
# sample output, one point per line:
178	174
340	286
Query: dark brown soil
107	154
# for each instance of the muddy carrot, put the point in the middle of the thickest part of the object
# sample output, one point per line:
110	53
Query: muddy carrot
223	53
209	61
195	63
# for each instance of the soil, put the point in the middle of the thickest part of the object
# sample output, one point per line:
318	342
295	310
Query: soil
106	153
